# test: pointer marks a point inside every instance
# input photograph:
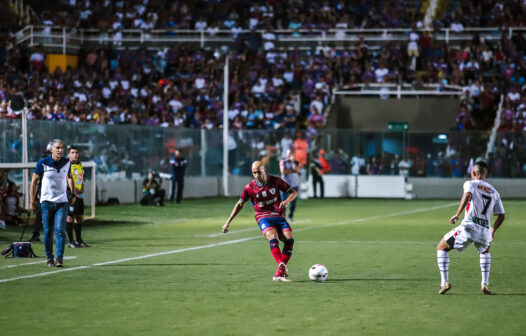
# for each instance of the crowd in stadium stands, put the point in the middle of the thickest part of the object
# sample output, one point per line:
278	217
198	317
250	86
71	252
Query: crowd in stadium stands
182	87
214	15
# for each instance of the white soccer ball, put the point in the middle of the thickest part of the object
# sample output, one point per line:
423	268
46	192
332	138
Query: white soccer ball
318	273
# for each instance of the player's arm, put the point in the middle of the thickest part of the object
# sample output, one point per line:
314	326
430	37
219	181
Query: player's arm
237	208
497	224
71	184
463	202
33	192
292	196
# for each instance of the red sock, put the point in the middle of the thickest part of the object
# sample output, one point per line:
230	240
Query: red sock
274	249
285	258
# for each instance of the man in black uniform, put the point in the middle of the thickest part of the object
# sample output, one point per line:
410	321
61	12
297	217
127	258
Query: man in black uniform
178	163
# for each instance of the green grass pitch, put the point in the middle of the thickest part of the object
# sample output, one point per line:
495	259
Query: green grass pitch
169	271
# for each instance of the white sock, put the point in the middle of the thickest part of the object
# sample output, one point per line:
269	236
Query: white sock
485	265
443	266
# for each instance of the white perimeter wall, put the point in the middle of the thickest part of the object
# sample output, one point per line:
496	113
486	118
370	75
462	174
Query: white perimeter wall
335	186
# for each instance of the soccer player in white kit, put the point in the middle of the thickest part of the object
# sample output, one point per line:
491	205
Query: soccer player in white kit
480	200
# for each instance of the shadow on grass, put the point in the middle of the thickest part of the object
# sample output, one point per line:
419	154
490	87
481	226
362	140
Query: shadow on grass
369	279
508	294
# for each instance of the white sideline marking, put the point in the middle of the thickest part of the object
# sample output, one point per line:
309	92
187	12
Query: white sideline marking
130	259
229	242
34	262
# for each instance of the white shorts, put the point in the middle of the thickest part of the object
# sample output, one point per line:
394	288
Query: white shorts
459	239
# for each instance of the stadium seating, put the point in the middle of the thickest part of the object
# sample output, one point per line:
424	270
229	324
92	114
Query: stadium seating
181	85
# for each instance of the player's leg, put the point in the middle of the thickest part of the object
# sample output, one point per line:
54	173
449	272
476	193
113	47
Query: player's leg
268	228
485	266
314	184
272	237
69	228
172	189
457	239
162	194
38	224
47	223
61	215
443	249
322	187
180	187
288	246
292	207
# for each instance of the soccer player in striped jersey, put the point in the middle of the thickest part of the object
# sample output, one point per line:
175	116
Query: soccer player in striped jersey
480	200
264	191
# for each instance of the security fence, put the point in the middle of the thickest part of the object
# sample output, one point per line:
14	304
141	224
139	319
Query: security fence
130	151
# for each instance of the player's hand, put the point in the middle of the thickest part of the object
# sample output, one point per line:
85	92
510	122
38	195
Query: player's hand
454	219
283	204
224	229
32	206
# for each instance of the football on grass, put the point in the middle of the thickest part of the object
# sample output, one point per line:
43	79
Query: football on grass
318	273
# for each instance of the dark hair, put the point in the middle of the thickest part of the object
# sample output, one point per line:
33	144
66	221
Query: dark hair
481	167
72	147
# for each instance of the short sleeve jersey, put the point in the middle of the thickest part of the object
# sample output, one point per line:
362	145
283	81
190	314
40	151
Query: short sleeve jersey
77	172
54	179
266	198
485	201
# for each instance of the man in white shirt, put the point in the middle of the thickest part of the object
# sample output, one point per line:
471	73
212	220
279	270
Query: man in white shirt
55	173
480	200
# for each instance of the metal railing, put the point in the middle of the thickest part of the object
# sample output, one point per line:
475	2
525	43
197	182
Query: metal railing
72	39
386	90
23	10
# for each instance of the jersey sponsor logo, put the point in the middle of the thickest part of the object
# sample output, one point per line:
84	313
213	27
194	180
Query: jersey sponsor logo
480	221
264	193
271	201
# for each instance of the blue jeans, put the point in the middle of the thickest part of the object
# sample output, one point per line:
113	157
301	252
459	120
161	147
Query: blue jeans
54	216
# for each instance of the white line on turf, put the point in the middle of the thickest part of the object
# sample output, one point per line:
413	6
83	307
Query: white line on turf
229	242
130	259
34	262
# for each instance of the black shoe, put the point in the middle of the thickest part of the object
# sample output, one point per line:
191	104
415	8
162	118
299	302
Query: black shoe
82	243
50	263
60	263
73	244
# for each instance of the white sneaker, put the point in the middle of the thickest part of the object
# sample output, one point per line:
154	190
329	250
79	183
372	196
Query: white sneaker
280	278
